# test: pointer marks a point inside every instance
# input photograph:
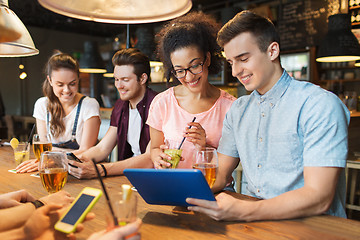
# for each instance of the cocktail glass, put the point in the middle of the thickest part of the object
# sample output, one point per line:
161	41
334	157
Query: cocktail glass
173	152
21	153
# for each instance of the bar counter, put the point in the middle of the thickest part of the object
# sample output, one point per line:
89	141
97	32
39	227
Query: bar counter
165	222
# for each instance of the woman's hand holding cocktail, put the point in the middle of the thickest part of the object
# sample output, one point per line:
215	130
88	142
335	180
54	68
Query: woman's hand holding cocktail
160	158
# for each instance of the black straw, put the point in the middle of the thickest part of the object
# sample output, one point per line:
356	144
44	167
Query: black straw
30	136
184	137
106	194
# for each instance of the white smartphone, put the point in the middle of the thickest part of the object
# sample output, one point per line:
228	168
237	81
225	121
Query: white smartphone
78	210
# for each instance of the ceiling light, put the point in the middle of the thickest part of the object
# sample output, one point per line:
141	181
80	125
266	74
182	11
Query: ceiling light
22	75
15	38
339	44
90	60
119	11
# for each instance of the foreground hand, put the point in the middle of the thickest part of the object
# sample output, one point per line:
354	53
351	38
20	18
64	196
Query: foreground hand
224	208
84	170
196	134
62	198
31	165
130	231
13	199
40	225
160	158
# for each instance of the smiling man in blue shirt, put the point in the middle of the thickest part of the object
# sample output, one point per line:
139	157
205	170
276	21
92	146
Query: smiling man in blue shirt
290	136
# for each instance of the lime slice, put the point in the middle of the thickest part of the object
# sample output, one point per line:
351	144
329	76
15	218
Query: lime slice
127	191
14	143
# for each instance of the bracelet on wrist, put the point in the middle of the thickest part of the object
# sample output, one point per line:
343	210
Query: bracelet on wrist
104	169
37	203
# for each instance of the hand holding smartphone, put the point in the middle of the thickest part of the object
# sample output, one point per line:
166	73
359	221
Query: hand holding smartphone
76	213
72	156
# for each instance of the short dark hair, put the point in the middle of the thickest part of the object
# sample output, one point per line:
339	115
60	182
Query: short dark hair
134	57
246	21
194	29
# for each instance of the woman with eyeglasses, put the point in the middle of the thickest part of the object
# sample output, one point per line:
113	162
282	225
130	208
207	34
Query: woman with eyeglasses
187	47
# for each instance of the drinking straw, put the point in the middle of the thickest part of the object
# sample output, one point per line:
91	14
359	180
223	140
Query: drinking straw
30	136
106	194
184	137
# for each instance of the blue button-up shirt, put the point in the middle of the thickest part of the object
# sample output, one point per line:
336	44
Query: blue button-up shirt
275	135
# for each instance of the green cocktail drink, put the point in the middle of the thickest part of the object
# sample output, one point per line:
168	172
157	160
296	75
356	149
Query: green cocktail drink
175	156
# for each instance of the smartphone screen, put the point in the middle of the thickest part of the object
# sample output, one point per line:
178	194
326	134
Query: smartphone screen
78	208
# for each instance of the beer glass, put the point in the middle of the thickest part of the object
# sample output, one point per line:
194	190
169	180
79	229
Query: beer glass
53	170
206	160
41	144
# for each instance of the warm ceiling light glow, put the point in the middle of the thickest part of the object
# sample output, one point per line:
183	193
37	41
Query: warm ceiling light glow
156	64
108	75
338	58
15	38
92	70
23	75
119	11
21	66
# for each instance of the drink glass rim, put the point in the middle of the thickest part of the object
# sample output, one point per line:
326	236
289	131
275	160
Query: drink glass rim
206	149
53	152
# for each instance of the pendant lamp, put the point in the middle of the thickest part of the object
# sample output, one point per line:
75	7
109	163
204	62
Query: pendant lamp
15	40
119	11
339	44
90	60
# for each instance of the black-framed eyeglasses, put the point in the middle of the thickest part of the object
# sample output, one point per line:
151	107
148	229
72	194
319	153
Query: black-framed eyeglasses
194	69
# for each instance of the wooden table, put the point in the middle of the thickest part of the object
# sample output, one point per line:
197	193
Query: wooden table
161	222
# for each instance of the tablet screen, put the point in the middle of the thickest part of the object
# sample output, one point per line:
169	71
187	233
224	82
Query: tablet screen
169	186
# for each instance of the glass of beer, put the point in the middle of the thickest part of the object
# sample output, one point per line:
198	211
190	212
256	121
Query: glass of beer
53	170
206	160
41	144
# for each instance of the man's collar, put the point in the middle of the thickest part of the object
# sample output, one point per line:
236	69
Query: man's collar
275	93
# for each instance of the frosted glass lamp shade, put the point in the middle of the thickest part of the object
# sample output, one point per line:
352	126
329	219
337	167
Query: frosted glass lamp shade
339	44
119	11
15	40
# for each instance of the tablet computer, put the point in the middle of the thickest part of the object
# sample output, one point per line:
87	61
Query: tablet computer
169	186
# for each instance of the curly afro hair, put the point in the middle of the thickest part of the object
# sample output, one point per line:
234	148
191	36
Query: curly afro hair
193	29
